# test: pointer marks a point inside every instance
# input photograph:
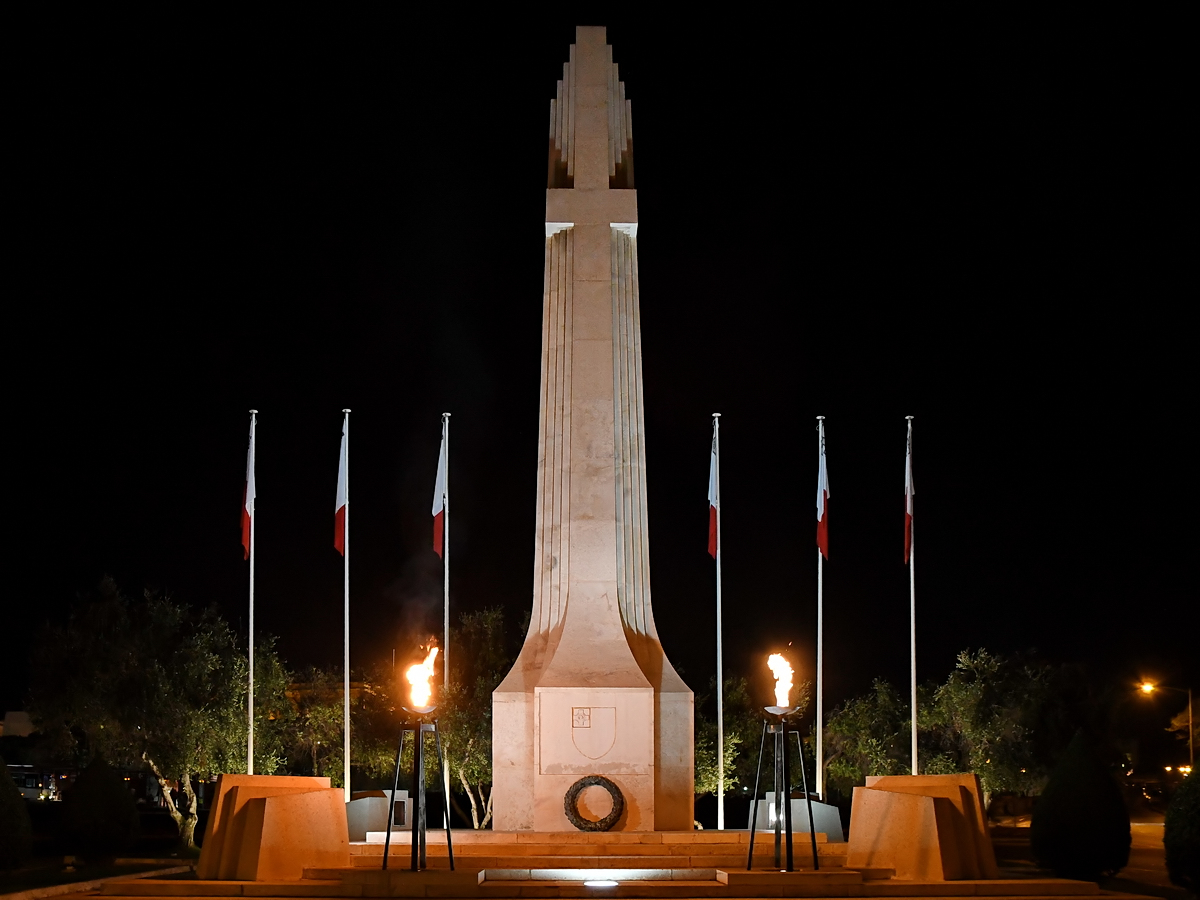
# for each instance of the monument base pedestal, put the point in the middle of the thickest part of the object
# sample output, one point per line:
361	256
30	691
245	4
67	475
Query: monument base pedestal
584	732
656	864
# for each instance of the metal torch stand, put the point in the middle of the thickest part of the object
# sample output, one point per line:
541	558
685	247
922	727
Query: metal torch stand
778	726
417	812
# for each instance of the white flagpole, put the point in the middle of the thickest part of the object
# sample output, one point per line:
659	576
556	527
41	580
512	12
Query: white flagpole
346	618
912	602
446	553
253	547
716	417
446	580
820	762
912	595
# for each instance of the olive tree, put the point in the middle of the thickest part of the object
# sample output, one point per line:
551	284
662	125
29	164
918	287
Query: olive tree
154	682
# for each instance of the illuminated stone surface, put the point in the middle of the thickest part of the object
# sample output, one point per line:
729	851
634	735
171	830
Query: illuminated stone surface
592	692
925	827
265	827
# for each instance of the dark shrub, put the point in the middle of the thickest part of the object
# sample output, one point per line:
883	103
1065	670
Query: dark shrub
101	815
1181	835
1080	826
16	834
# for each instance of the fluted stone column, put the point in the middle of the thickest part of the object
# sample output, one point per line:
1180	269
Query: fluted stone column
592	691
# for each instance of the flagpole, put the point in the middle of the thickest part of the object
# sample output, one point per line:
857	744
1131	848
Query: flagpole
446	554
716	417
820	761
912	603
446	585
346	618
253	547
912	595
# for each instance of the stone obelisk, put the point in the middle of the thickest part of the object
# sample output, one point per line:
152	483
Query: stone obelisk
592	692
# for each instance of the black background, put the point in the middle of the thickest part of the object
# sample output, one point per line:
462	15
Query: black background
977	220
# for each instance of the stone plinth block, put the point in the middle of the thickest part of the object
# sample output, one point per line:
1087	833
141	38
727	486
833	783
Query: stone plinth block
237	826
927	828
966	794
826	818
368	811
285	833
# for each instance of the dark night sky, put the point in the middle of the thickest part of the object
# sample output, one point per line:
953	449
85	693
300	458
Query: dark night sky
976	221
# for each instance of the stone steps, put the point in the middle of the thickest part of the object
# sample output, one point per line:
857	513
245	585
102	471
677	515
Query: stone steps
727	884
464	837
670	865
624	850
375	851
560	861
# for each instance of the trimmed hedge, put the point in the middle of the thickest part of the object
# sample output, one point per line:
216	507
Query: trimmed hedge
1080	825
1181	835
101	814
16	831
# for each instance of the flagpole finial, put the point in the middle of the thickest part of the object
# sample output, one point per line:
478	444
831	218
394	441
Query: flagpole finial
820	418
254	412
346	411
445	415
716	415
910	418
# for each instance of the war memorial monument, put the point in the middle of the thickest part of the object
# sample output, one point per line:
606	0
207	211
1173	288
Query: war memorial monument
592	727
592	693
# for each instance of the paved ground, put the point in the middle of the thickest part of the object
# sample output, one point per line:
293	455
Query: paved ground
1146	872
50	880
1147	869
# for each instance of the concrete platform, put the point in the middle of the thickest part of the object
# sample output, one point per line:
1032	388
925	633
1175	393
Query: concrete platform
470	885
671	865
677	884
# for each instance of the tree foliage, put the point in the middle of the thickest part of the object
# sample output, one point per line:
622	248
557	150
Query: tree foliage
1181	835
1001	718
480	661
740	728
868	735
743	735
480	658
100	814
16	832
156	682
1080	825
314	740
981	720
1179	727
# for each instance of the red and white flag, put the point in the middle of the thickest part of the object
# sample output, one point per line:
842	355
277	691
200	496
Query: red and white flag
909	491
339	515
714	497
248	493
439	496
822	496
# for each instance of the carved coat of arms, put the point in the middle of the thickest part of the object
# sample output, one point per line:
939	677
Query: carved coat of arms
593	729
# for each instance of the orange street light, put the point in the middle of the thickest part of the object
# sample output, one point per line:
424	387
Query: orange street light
1149	687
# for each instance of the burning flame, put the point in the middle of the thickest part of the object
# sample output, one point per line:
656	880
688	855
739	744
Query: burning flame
419	676
783	678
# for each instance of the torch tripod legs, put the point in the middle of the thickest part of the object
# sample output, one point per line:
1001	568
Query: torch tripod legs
783	800
812	830
417	801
